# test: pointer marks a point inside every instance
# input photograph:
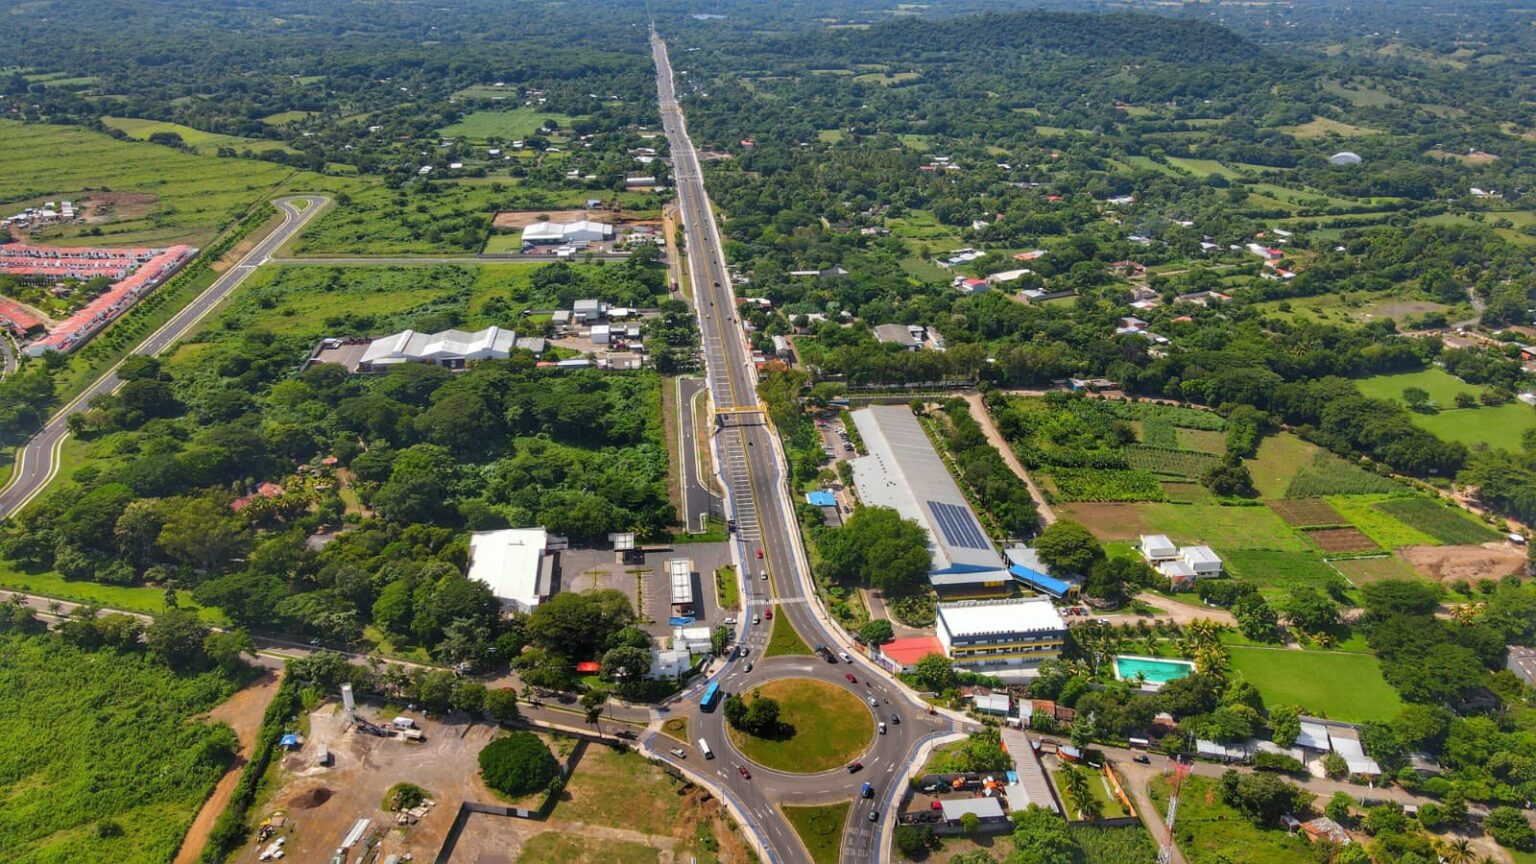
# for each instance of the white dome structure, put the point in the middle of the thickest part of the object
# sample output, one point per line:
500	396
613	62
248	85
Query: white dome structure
1345	157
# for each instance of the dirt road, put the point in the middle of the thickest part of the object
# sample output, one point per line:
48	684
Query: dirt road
983	418
243	712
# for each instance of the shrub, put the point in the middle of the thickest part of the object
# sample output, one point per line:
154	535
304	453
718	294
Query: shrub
518	764
404	796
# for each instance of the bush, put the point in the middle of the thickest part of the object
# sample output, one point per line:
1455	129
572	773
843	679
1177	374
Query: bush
1507	826
518	764
1278	762
404	796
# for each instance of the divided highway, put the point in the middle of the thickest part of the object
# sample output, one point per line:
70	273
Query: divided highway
37	461
754	472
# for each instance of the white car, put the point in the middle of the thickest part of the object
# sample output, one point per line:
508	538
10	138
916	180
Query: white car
844	655
731	620
873	702
678	752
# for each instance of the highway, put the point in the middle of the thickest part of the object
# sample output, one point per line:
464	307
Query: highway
753	471
37	461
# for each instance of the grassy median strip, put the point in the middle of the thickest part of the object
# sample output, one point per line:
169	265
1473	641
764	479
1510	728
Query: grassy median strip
727	588
820	829
784	641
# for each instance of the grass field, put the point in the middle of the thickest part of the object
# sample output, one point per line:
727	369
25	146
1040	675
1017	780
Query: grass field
1441	386
205	143
520	122
820	829
831	727
185	197
1203	168
784	640
1330	684
1498	426
1363	571
283	118
1444	523
101	737
1276	462
562	847
1362	512
1203	440
1321	127
1210	832
1359	307
1225	528
1109	805
150	601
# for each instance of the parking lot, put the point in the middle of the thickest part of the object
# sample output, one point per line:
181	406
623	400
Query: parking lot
643	577
320	804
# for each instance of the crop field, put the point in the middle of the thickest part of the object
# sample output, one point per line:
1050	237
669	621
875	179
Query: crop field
1177	463
1276	572
1184	418
102	758
1225	528
1327	474
520	122
185	198
1361	512
1105	484
203	142
1203	440
1363	571
1341	540
1321	127
1159	432
1446	524
1304	512
1331	684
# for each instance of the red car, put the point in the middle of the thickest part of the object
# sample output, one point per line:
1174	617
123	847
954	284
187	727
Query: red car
744	772
851	679
768	614
759	554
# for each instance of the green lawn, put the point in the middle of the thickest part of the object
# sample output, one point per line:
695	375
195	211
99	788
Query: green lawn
820	829
1361	511
520	122
1210	832
1221	527
830	727
784	640
1109	805
203	142
1330	684
1499	426
183	197
727	590
150	601
1278	459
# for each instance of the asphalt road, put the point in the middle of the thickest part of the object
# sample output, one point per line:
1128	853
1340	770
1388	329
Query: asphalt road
699	497
752	468
37	461
423	260
7	355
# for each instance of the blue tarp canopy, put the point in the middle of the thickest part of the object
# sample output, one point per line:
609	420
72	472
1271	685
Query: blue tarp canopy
1035	579
289	740
822	498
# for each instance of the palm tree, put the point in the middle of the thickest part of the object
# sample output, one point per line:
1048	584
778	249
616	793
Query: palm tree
1210	659
1077	785
1458	851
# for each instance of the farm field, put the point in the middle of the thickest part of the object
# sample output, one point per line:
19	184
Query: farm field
205	143
162	195
68	771
520	122
1362	512
1321	127
1341	541
1331	684
1300	512
1327	474
1363	571
1277	460
1225	528
1446	524
1276	572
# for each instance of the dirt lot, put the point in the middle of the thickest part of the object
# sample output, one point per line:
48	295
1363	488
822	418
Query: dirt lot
1306	511
322	803
515	219
1106	521
1342	540
106	206
1488	561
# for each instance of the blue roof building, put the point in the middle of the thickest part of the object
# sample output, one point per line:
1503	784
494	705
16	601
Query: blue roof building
822	498
1025	566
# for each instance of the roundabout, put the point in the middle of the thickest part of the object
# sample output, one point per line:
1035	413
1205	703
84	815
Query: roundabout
823	727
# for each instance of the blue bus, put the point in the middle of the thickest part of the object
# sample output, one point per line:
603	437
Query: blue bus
711	694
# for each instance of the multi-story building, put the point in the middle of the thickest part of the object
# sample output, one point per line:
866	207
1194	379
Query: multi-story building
987	635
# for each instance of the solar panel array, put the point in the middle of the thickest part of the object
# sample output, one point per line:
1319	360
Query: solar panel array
958	526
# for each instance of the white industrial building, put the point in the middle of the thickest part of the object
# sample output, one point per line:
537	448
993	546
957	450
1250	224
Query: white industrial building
680	576
516	563
666	664
451	349
694	640
559	233
995	634
903	472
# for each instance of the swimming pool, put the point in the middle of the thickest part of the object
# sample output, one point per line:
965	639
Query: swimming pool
1156	670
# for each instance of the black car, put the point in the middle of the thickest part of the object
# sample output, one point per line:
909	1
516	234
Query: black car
1142	758
895	719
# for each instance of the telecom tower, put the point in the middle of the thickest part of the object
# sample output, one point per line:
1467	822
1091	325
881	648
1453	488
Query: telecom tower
1180	771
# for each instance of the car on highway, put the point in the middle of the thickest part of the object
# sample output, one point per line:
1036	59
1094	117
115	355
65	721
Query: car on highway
759	554
874	815
895	719
882	728
844	655
764	576
768	614
855	767
851	679
749	667
1142	758
873	702
757	619
867	791
678	752
744	772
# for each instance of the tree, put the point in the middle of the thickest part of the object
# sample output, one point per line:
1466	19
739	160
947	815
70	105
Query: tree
1416	397
176	638
1339	807
199	532
226	647
1309	611
970	822
719	638
579	624
501	705
916	841
1285	724
518	764
1068	547
1040	837
936	673
625	665
420	481
877	547
1509	828
1263	798
877	631
1230	479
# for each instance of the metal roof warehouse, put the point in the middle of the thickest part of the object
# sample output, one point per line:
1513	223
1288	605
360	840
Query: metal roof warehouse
903	472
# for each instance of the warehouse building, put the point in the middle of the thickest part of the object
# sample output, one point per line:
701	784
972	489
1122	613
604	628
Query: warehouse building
903	472
560	233
993	635
680	575
451	349
517	563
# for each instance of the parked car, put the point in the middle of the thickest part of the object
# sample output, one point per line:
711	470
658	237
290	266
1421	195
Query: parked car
731	620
